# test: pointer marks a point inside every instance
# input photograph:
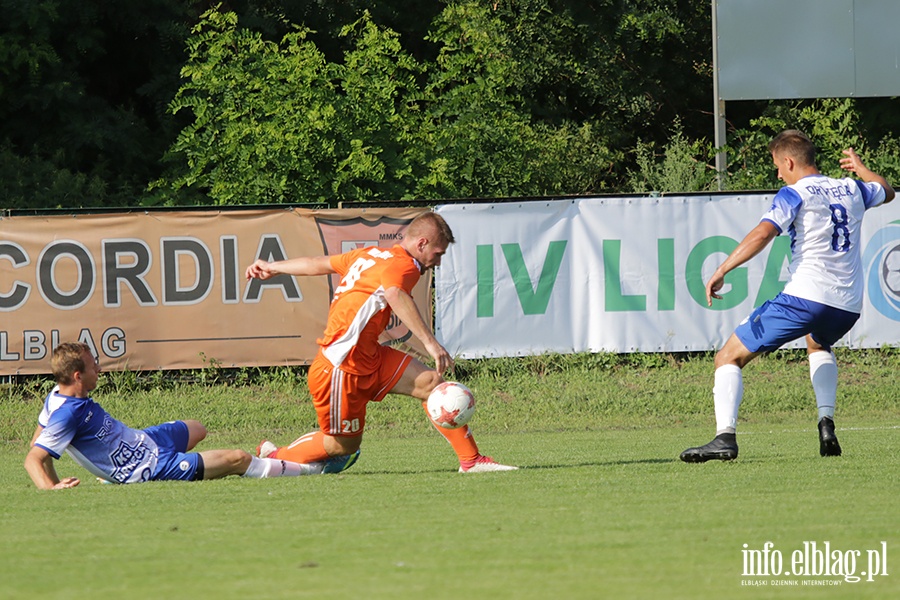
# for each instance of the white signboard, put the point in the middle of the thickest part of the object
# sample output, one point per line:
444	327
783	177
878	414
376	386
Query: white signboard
627	275
770	49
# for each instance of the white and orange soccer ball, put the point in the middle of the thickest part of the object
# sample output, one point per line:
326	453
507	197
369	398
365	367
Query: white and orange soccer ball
450	405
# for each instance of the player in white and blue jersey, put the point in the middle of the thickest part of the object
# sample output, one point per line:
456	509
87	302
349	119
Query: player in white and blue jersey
71	421
823	297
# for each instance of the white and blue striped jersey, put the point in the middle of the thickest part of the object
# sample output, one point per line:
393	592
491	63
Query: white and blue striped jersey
101	444
824	217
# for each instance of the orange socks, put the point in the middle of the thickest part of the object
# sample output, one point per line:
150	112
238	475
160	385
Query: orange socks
461	439
305	449
311	447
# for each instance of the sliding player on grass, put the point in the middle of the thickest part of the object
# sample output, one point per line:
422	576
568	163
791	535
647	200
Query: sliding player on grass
71	421
351	368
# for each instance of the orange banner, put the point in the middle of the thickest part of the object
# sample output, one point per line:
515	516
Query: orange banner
166	290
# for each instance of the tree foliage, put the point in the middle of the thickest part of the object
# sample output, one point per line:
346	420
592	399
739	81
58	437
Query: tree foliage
83	85
112	104
481	138
277	121
681	165
832	123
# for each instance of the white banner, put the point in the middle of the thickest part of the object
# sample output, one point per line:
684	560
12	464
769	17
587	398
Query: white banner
628	275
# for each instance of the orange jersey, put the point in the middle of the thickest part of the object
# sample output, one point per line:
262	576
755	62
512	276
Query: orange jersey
359	311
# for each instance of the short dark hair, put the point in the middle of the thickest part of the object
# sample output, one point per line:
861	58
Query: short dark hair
68	358
795	144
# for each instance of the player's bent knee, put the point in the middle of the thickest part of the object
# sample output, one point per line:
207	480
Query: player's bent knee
221	463
230	462
721	360
427	381
240	460
196	432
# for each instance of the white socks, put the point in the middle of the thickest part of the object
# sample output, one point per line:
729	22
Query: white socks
729	390
261	468
727	394
823	372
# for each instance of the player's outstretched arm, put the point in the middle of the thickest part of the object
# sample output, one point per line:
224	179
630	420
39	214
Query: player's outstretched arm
852	162
39	465
752	244
301	266
406	310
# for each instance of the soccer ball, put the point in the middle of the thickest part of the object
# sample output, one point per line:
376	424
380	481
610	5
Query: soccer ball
451	405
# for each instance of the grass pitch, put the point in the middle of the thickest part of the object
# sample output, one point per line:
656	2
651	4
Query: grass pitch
599	510
599	514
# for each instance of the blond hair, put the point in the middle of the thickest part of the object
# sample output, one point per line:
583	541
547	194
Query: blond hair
67	359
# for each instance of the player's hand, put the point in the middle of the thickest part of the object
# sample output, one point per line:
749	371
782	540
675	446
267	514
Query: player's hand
712	288
260	270
67	482
442	358
851	161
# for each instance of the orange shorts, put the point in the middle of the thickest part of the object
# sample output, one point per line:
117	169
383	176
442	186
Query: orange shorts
340	398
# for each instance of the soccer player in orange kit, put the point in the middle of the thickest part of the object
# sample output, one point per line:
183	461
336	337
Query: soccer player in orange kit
351	368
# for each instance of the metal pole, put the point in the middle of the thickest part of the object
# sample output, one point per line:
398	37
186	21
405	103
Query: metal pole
718	107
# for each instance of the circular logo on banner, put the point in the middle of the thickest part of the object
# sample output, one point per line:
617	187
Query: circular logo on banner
881	263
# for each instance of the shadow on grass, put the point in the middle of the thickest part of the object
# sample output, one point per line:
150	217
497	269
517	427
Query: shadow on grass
536	467
607	463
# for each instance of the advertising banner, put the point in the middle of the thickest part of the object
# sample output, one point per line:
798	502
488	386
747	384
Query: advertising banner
166	290
628	275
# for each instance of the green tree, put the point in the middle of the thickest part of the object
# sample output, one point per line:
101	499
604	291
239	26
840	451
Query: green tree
81	88
403	100
631	67
278	122
832	123
483	138
682	166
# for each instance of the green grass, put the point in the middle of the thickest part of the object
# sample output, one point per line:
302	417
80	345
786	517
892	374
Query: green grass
602	507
